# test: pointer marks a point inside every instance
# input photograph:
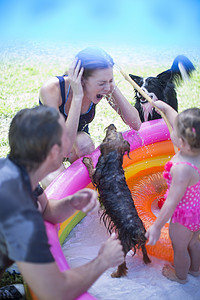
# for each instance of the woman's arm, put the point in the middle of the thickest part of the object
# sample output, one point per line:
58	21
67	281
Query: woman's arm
127	112
74	76
50	95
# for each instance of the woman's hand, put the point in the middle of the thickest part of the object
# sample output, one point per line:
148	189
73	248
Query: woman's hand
112	89
75	75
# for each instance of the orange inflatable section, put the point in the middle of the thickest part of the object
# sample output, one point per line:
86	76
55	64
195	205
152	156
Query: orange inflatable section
149	151
144	178
147	189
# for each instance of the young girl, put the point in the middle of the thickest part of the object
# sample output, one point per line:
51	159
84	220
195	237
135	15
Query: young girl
182	204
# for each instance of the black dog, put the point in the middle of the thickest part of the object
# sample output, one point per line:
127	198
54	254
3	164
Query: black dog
161	87
119	212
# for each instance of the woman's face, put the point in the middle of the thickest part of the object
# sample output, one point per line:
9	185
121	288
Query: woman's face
99	84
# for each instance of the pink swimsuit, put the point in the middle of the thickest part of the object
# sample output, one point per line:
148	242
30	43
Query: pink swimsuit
187	212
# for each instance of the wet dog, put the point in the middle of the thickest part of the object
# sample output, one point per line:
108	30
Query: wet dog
119	212
162	87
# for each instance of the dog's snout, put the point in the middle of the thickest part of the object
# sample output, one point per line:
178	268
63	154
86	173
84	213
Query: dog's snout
111	127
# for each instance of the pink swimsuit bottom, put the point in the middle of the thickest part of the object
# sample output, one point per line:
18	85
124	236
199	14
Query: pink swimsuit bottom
187	212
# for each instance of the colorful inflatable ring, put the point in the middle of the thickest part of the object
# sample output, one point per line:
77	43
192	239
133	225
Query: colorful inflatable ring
150	149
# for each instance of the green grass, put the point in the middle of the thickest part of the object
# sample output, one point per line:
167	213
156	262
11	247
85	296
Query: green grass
9	278
23	73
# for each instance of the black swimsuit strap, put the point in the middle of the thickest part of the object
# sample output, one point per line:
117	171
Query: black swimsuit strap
62	88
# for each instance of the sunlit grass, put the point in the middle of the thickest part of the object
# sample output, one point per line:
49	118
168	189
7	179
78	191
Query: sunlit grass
21	77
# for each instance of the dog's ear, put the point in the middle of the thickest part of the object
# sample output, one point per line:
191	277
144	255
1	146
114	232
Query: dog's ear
126	147
165	77
103	147
137	79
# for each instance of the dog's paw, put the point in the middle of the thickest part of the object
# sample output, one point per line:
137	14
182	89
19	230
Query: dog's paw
118	275
121	271
87	161
146	260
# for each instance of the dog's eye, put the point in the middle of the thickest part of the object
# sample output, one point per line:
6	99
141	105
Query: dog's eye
153	96
138	94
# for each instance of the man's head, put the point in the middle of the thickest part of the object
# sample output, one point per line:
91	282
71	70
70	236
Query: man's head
32	134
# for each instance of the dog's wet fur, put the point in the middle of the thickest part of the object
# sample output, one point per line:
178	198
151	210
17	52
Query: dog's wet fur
119	212
162	87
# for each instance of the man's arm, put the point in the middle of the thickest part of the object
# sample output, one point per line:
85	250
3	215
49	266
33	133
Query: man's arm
47	282
57	211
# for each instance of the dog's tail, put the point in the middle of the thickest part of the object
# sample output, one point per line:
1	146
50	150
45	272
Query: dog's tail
181	69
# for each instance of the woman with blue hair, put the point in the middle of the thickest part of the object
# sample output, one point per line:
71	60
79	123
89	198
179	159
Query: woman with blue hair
78	91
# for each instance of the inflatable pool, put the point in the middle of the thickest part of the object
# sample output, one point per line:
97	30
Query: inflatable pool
151	148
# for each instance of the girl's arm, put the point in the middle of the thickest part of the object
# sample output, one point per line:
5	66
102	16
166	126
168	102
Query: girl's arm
127	112
179	184
167	110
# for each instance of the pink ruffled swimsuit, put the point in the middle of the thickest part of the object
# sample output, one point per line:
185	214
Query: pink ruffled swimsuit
187	212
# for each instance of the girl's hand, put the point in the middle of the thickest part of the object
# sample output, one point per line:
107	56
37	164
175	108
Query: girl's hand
75	75
153	235
161	105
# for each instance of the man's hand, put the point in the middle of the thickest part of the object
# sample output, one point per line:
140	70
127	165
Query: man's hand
112	252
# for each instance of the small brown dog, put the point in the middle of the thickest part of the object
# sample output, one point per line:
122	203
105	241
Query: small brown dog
119	212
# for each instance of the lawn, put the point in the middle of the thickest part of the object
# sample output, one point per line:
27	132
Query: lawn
24	68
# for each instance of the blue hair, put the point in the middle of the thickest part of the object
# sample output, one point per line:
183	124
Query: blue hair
93	58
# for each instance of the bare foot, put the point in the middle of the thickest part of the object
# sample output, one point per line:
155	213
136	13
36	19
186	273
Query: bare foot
169	272
194	273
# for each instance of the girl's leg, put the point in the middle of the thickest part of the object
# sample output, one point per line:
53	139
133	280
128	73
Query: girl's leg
180	237
194	250
82	146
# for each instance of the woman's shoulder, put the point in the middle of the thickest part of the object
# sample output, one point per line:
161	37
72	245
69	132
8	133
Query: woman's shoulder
53	84
50	91
50	84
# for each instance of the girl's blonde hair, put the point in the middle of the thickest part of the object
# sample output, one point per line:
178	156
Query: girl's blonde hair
188	125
